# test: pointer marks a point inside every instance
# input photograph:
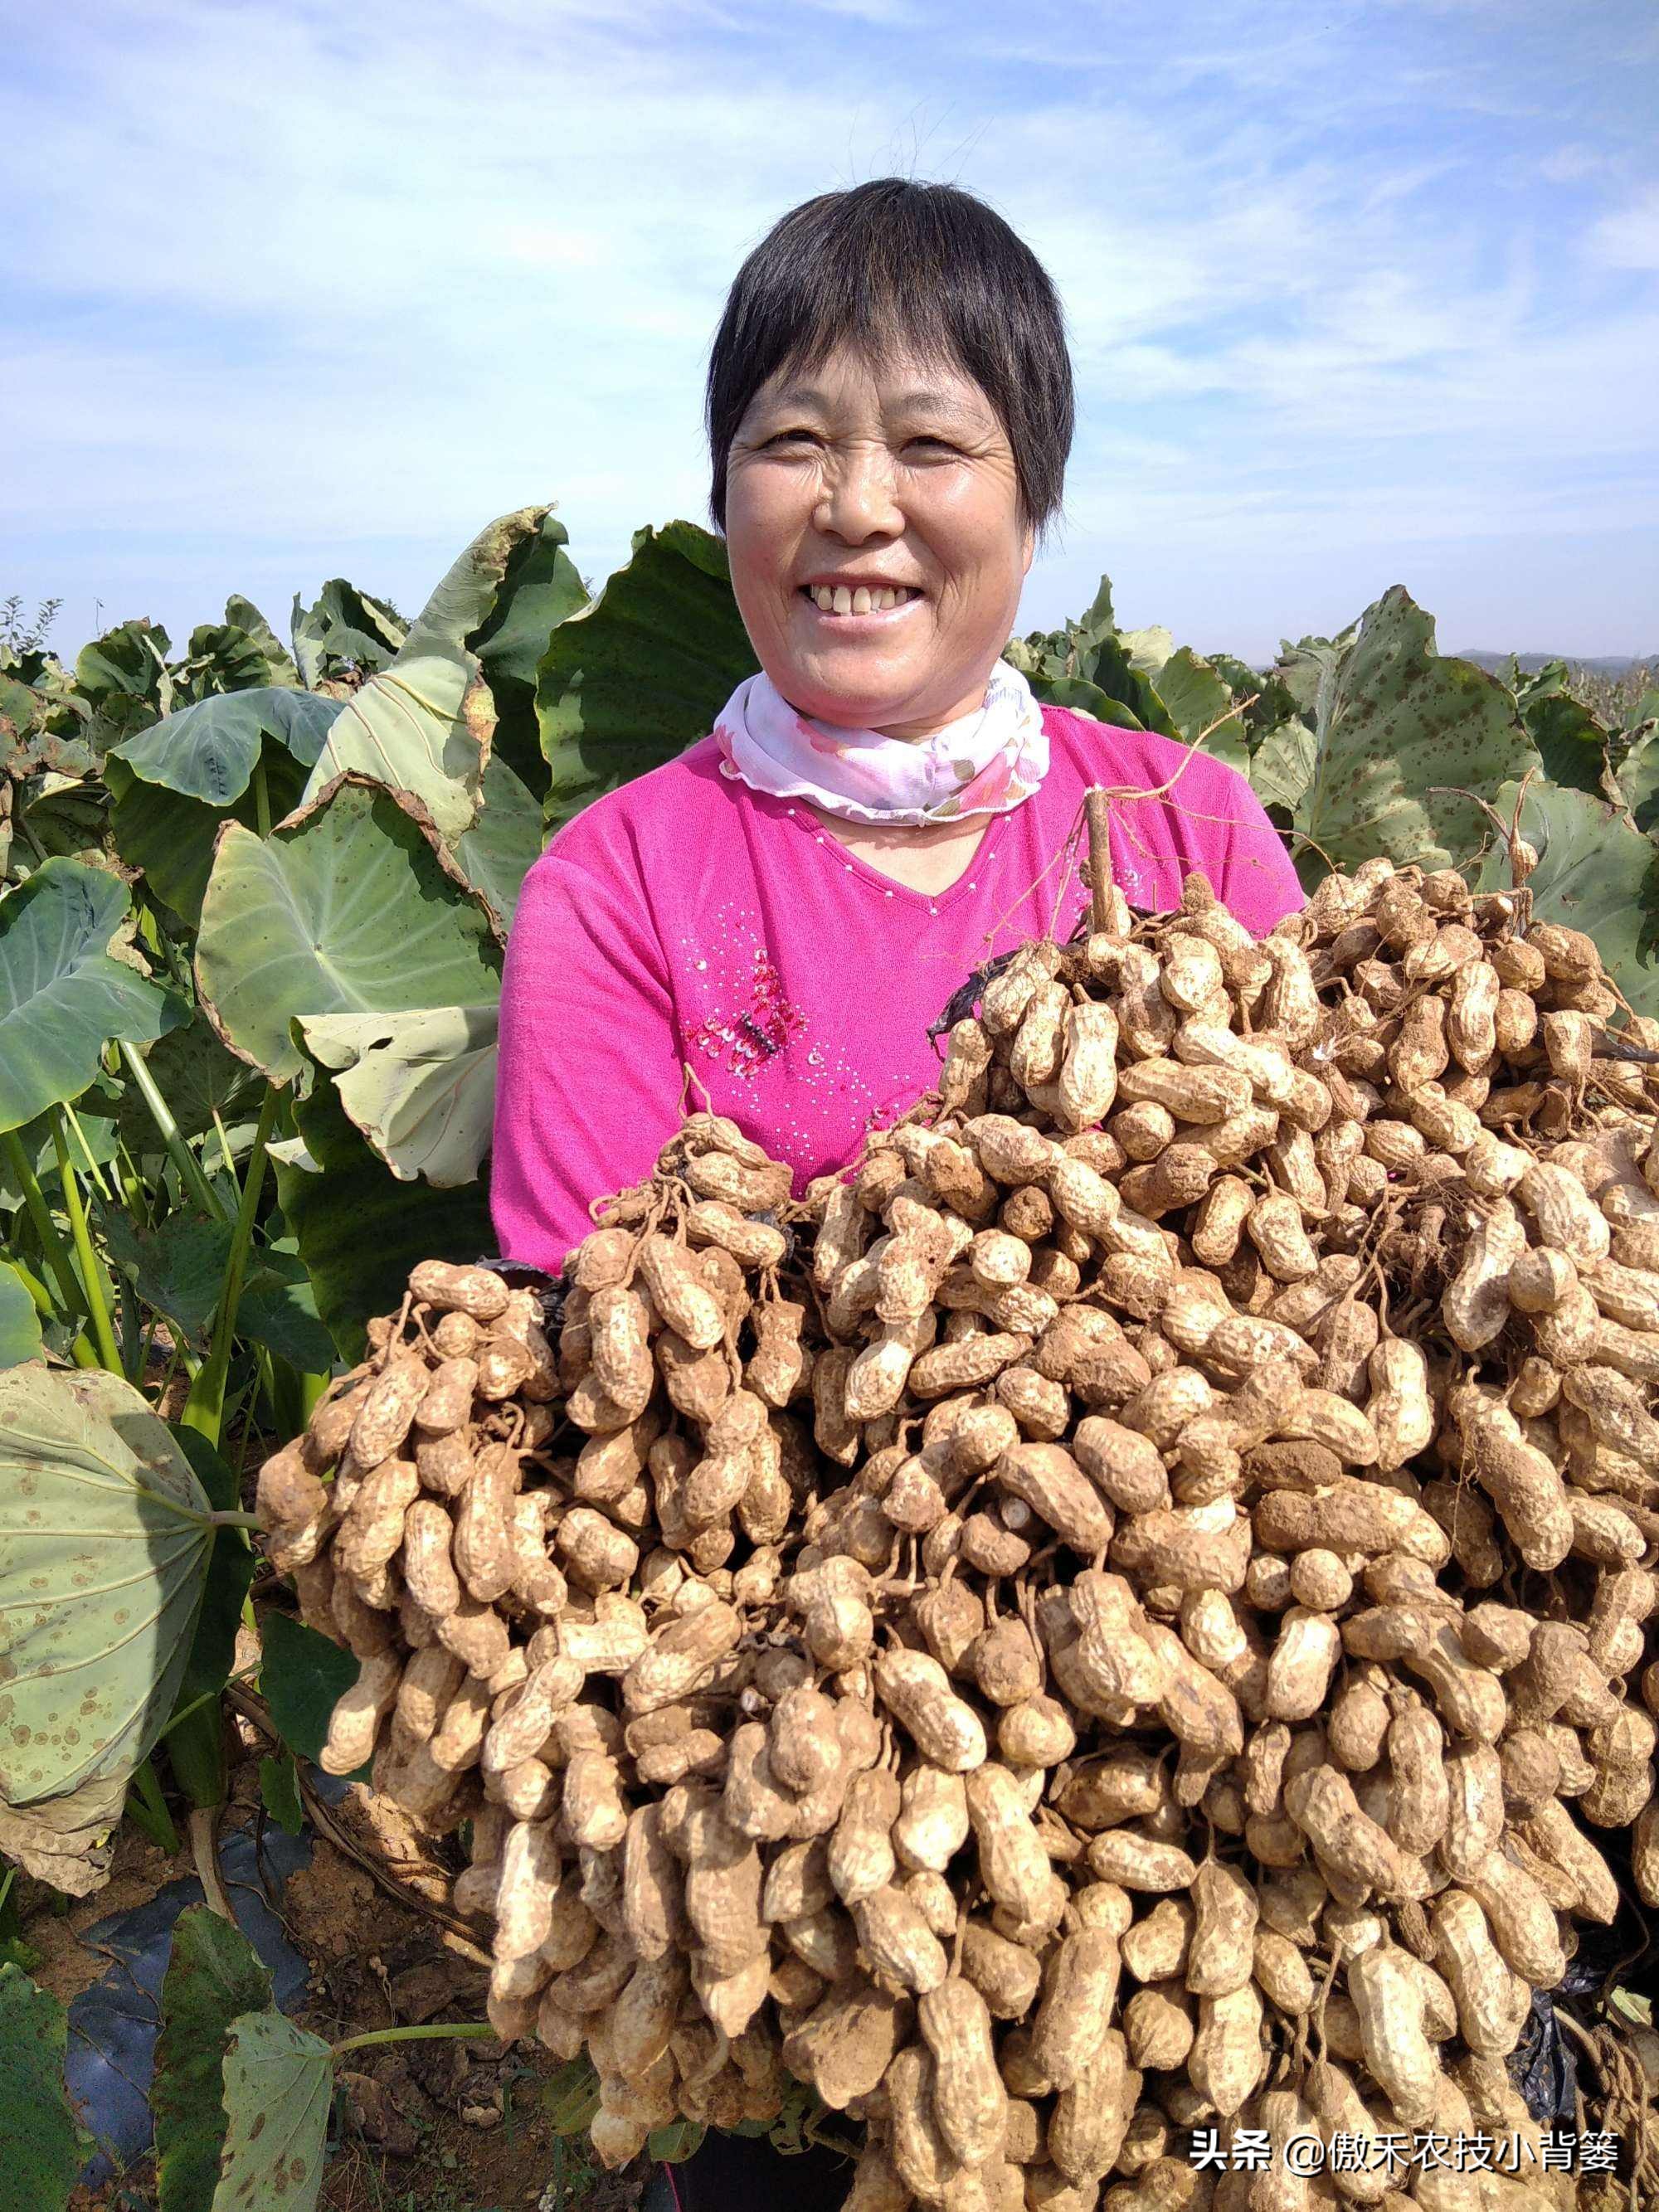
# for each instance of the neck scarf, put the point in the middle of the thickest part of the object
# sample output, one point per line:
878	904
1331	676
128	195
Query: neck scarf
986	763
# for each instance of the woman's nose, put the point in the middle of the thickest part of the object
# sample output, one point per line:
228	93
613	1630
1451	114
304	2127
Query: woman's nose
858	498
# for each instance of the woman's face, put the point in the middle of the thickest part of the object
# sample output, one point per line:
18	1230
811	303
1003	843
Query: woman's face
845	481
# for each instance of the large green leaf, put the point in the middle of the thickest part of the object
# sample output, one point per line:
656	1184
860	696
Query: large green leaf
198	1077
279	665
343	629
41	2144
421	1086
19	1321
1282	767
278	1308
1638	782
63	998
348	907
170	839
495	854
122	681
209	752
360	1230
214	1976
104	1537
1395	723
278	2086
540	590
179	1268
1201	705
302	1677
1081	697
1597	873
423	724
1571	739
640	673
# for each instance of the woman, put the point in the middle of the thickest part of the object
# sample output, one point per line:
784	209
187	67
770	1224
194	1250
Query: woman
785	909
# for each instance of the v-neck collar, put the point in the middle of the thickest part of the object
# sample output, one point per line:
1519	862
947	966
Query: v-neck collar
802	819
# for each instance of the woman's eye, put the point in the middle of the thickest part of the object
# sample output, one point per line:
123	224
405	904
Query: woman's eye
939	445
789	437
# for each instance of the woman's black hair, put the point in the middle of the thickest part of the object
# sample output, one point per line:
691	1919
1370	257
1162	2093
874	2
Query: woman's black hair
895	265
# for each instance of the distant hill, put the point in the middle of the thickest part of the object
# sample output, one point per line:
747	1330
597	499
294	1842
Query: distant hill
1607	665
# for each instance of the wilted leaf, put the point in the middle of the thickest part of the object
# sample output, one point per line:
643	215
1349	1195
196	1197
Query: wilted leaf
640	673
67	1842
103	1544
41	2143
1597	872
63	998
278	2084
1392	718
421	1086
347	908
214	1976
20	1321
423	723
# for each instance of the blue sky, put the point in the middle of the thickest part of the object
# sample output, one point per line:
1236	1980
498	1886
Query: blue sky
1360	293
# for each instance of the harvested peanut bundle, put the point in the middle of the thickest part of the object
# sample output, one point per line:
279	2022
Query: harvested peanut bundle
1131	1610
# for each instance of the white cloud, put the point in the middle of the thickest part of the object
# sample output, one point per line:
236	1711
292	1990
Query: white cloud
305	280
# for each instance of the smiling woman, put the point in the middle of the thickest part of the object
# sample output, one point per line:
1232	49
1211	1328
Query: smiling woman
784	909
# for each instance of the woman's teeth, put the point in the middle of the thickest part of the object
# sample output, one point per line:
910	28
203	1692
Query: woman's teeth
837	599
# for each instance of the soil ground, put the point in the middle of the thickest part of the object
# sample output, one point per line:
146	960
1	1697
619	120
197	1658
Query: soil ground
438	2126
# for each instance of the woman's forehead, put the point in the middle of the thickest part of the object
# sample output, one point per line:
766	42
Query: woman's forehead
847	376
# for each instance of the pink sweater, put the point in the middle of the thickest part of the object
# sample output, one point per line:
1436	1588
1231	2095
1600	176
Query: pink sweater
686	922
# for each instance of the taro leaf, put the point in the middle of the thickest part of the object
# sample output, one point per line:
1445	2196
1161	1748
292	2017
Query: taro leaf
64	814
170	839
1197	699
63	998
421	1086
640	673
245	615
359	1231
279	1792
122	677
179	1268
278	2086
423	723
495	854
345	628
1571	740
345	908
302	1677
1639	781
209	752
1110	666
1080	697
1597	873
1147	650
540	590
103	1544
214	1976
212	1658
278	1310
19	1323
41	2143
1392	719
1282	767
198	1077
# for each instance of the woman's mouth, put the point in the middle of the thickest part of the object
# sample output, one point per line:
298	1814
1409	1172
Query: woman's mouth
840	601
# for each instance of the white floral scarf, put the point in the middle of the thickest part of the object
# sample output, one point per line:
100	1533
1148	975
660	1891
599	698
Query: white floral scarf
987	763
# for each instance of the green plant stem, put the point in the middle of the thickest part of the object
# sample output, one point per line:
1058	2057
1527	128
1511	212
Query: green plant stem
148	1808
428	2034
207	1698
188	1167
92	1277
261	797
204	1409
224	1151
93	1168
134	1196
53	1247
